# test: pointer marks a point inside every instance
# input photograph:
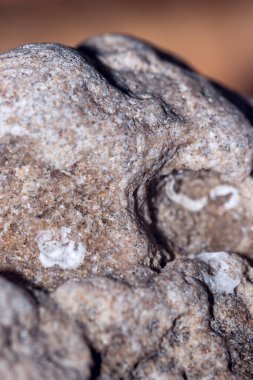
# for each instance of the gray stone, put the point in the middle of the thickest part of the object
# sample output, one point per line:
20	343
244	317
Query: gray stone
38	341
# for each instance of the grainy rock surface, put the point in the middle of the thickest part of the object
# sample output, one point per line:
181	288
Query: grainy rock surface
125	187
163	329
38	341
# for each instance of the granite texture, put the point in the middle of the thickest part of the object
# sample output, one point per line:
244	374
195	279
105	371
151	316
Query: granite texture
126	216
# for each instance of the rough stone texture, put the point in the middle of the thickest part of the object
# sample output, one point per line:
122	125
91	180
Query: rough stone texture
125	187
83	134
191	208
38	342
191	321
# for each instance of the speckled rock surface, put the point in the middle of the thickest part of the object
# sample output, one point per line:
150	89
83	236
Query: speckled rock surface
38	341
163	329
192	321
125	187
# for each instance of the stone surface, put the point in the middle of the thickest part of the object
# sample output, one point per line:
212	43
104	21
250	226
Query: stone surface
83	136
38	342
125	188
189	322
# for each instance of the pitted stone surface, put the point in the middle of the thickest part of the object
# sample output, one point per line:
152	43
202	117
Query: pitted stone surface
125	188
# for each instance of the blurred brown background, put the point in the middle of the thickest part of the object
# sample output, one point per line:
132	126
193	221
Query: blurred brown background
214	36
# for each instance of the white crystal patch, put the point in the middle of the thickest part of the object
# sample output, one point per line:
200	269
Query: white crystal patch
223	190
65	253
194	205
222	281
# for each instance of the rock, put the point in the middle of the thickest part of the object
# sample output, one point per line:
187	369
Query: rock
187	323
191	208
87	135
38	342
126	186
